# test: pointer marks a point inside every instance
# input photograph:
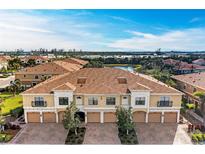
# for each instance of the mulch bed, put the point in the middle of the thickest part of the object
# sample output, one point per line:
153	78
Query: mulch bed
131	138
72	138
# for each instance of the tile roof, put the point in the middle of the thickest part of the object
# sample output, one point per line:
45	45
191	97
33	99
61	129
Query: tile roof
102	81
180	65
4	58
76	61
57	67
195	79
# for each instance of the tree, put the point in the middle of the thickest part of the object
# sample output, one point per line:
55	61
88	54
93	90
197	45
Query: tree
71	121
2	120
31	62
14	64
15	87
201	95
138	68
3	70
124	119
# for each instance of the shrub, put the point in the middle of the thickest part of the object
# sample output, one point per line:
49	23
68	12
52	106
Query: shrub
190	106
199	137
204	137
17	112
182	110
194	138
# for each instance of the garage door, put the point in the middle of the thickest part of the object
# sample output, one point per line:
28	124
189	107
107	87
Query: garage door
49	117
109	117
139	116
93	116
60	116
154	117
33	117
170	117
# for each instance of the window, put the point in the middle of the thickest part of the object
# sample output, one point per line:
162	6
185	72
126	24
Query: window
63	100
24	76
140	101
39	102
36	76
164	102
93	101
110	101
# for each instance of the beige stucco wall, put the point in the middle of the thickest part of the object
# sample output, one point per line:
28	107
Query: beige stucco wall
175	98
27	99
101	101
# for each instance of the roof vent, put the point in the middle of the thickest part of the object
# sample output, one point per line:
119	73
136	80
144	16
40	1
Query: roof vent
81	80
122	80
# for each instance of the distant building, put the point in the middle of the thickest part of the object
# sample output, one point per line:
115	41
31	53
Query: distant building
181	67
199	61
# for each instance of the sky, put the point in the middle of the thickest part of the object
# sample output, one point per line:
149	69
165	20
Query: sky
103	30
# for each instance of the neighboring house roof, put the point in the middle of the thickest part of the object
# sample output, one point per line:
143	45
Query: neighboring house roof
199	61
170	61
195	79
180	65
4	58
102	81
57	67
76	61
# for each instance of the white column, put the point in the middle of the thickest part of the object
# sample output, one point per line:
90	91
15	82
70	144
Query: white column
86	118
178	116
147	117
162	117
101	117
41	117
56	116
25	116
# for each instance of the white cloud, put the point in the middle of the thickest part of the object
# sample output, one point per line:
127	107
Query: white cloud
27	30
187	39
196	19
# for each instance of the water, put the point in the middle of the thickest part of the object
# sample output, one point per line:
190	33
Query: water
126	68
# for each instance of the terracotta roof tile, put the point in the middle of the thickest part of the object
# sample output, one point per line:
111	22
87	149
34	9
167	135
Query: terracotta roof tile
103	81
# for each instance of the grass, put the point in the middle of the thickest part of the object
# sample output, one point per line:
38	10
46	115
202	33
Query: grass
113	65
5	95
76	139
11	103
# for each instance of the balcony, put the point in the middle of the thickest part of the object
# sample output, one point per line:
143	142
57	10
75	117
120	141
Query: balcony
39	103
164	104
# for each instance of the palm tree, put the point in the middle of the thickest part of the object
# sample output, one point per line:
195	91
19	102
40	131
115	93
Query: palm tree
201	96
15	87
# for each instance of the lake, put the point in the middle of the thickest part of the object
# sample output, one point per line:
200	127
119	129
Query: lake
126	68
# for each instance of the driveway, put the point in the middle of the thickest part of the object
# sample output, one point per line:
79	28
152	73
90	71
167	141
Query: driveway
49	133
105	133
157	133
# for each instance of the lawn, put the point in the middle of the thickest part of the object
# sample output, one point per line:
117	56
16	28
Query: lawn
11	103
5	95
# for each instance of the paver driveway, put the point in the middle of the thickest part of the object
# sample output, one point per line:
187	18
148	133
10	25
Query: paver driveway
157	133
49	133
105	133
